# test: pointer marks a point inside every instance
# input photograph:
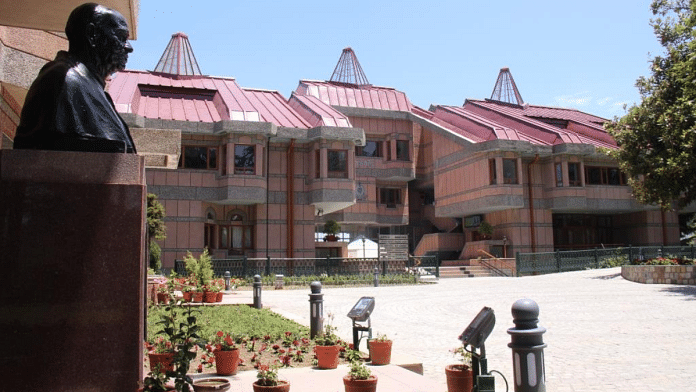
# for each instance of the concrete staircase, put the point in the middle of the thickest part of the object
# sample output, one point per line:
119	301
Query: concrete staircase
464	271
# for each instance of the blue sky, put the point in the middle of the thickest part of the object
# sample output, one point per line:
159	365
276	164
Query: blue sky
579	54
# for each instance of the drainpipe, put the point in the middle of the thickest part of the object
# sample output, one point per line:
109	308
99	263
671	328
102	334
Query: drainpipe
268	189
291	204
532	233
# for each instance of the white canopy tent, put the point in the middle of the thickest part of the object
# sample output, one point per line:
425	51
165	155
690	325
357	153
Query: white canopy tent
357	249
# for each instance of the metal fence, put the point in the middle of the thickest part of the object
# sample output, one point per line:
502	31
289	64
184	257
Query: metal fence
574	260
245	267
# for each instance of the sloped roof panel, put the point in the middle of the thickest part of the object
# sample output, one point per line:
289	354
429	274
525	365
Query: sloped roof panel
317	112
367	97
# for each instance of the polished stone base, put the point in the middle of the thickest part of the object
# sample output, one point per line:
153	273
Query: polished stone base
71	249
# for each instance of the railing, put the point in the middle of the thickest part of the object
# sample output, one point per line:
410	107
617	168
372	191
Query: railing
574	260
245	267
490	266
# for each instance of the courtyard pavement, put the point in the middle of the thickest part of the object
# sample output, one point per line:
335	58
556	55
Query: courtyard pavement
603	333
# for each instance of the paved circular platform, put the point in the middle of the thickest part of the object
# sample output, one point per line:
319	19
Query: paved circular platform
603	332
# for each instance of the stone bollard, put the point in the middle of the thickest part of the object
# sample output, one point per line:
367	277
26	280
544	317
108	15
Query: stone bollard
227	277
376	280
257	292
527	347
316	310
279	282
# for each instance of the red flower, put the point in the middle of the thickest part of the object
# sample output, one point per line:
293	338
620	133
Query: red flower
296	342
276	347
220	334
229	340
253	358
281	351
288	333
267	337
200	368
350	346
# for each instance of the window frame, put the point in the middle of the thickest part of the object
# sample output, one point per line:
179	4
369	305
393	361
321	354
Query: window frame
510	180
245	170
360	150
342	172
211	155
390	197
575	182
404	150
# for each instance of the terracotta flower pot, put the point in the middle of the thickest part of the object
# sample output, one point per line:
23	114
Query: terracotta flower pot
226	362
218	297
187	296
327	356
369	385
459	378
162	298
283	386
198	296
165	359
380	352
210	296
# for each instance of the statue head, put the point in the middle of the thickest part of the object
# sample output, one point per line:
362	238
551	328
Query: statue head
98	37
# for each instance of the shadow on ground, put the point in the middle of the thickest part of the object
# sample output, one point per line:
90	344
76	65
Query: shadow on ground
609	276
687	291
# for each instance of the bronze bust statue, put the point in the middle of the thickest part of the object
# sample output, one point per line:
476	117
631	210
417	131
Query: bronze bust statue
66	107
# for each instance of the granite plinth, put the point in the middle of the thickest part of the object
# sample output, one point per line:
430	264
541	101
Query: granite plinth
72	231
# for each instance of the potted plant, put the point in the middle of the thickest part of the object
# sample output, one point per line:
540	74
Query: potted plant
162	294
160	352
267	380
486	230
331	229
359	378
327	348
223	347
380	350
459	376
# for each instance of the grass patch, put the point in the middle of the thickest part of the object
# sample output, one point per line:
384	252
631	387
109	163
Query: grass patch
234	319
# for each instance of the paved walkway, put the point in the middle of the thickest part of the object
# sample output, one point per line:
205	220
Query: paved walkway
603	332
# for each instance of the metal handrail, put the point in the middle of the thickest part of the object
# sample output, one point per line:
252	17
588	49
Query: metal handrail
491	267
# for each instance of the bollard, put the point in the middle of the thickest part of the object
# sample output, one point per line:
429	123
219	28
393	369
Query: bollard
527	347
316	310
227	280
376	277
257	292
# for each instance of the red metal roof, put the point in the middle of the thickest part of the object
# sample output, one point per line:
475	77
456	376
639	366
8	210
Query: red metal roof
490	120
367	97
198	99
275	109
316	112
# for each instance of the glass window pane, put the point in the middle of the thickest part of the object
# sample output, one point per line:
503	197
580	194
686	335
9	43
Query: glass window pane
247	237
574	174
559	174
338	163
237	237
212	162
196	157
244	159
510	171
223	237
402	153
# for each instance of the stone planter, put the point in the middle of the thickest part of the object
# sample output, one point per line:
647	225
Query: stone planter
660	274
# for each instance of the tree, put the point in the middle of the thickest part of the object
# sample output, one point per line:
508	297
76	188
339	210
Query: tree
657	138
156	230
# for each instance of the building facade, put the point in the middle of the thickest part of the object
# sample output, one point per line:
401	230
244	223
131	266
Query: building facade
256	174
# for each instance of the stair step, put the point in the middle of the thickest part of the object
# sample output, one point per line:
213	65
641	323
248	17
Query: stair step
464	272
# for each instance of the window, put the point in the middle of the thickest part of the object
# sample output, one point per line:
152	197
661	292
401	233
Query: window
390	196
510	171
209	236
402	150
372	149
492	172
604	176
198	157
317	164
574	174
338	163
244	159
236	236
559	174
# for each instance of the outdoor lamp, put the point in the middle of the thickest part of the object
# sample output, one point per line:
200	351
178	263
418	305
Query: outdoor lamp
227	277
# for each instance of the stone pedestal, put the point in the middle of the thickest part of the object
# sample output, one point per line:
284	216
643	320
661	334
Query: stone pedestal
72	234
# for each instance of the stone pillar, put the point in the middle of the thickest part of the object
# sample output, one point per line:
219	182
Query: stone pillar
72	245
